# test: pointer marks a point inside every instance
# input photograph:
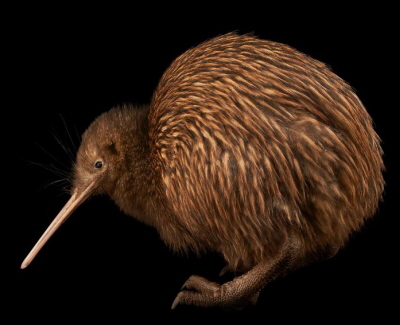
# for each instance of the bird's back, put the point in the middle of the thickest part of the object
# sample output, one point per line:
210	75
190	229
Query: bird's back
256	142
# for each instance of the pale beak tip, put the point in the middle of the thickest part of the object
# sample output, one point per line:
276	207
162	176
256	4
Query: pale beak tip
24	265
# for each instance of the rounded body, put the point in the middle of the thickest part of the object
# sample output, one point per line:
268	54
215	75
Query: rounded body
256	144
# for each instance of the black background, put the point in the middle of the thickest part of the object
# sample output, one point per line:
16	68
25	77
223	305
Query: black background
65	67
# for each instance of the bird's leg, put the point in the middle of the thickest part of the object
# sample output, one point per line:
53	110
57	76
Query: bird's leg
240	291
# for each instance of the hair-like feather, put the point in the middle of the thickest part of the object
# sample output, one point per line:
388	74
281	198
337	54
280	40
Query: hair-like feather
256	142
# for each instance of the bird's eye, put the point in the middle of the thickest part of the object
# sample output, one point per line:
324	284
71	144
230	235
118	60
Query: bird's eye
98	164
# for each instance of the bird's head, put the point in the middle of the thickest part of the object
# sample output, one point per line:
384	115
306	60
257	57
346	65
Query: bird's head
100	156
109	149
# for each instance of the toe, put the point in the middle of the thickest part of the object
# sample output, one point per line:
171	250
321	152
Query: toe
194	298
200	284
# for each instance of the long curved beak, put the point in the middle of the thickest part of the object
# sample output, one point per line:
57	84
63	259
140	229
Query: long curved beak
66	211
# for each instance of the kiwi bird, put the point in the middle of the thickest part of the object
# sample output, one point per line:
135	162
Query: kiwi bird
248	148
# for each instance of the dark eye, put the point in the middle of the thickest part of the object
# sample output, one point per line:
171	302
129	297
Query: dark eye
98	164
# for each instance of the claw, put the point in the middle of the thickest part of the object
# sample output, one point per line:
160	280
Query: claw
176	300
254	298
224	270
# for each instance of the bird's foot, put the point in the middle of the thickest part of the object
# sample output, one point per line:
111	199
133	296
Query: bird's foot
203	293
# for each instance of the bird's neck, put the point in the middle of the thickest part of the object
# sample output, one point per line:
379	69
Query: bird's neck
137	191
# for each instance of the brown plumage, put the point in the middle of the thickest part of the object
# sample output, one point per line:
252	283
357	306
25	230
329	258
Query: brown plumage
249	148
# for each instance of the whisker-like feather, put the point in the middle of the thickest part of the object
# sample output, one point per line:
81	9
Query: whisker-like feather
64	147
69	134
51	155
51	168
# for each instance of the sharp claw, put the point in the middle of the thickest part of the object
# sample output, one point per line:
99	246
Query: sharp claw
183	287
224	270
254	298
176	301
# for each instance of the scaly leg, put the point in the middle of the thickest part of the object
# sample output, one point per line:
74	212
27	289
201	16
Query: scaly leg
240	291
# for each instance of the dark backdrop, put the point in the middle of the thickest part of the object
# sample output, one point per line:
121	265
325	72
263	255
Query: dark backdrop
65	68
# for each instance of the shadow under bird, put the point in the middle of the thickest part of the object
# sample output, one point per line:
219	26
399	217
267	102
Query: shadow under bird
248	148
